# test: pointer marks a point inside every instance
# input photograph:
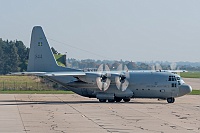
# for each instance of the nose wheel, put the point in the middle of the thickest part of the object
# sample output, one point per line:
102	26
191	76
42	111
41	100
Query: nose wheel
171	100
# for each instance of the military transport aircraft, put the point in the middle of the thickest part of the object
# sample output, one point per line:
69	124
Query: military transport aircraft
105	85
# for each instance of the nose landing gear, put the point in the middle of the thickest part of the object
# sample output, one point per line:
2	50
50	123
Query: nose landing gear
171	100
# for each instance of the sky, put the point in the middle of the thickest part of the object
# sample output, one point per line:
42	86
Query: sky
134	30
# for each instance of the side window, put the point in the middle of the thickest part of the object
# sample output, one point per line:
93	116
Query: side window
170	78
173	84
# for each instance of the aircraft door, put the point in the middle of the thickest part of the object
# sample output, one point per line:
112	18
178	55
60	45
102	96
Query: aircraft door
173	86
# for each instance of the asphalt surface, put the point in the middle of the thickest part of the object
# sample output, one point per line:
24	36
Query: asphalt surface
70	113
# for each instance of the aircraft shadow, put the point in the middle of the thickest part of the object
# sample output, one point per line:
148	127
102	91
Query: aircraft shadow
22	102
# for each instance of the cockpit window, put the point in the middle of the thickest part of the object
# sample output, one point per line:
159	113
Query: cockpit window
179	80
172	78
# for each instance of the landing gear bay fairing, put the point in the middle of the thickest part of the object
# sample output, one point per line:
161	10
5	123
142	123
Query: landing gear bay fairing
105	85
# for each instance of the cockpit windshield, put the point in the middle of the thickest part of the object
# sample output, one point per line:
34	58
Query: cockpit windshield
179	80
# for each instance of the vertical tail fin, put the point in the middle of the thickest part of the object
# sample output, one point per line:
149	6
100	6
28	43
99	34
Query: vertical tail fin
40	55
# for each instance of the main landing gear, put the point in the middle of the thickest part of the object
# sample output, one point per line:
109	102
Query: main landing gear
170	100
102	100
126	99
117	99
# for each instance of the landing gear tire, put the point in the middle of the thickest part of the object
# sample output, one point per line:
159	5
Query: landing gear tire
118	99
102	100
171	100
111	100
126	99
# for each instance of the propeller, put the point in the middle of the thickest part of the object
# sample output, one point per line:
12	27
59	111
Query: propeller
121	80
156	67
103	81
173	66
153	67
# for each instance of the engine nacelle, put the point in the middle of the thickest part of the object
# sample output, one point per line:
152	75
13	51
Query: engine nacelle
89	78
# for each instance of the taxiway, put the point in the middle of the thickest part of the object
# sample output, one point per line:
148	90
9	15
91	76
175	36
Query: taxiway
70	113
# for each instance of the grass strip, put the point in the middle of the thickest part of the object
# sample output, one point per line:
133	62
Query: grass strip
190	75
195	92
35	92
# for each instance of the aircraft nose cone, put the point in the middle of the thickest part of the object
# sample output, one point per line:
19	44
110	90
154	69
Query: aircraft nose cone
185	89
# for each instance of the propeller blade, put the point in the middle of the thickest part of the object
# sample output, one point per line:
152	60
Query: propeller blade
120	67
121	86
173	66
103	85
100	69
158	66
153	67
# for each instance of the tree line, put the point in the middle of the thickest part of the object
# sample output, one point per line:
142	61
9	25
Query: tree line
13	56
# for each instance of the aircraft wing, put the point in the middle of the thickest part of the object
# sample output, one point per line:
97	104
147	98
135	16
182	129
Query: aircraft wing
64	74
171	71
80	73
50	73
175	71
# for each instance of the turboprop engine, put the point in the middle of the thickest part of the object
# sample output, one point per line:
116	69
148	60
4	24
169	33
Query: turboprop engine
103	78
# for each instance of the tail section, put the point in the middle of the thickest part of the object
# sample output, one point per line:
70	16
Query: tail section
40	56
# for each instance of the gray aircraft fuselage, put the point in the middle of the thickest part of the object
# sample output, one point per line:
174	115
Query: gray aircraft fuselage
160	85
